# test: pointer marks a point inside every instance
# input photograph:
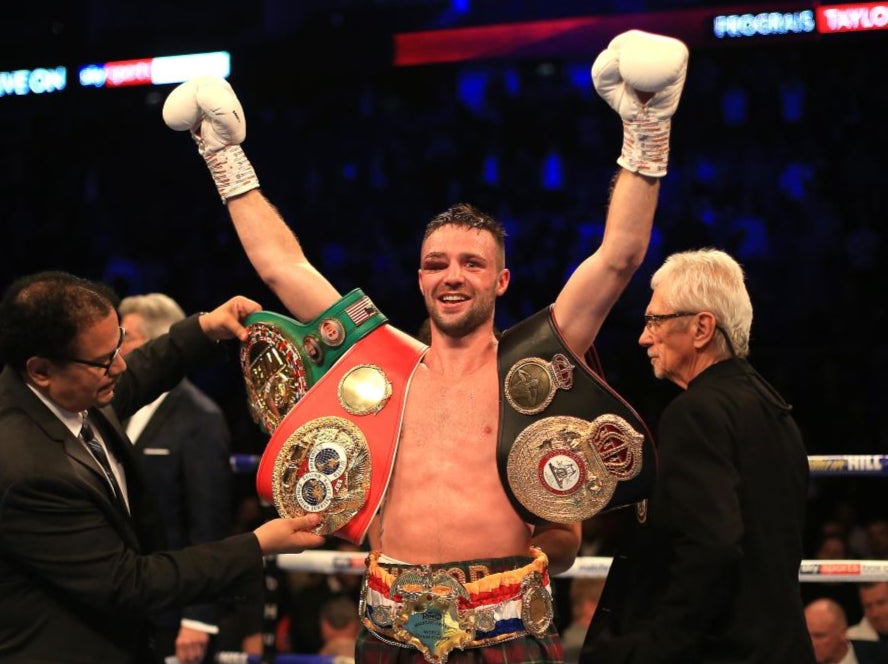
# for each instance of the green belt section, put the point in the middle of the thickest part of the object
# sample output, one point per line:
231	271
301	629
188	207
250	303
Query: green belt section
315	335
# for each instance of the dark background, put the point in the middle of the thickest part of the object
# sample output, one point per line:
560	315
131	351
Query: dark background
778	157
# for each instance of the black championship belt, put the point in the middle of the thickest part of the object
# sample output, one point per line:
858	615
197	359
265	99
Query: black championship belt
569	445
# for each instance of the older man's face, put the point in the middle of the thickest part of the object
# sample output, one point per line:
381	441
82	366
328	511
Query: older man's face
669	342
827	635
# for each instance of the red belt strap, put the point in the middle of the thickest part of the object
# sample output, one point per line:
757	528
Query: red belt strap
320	455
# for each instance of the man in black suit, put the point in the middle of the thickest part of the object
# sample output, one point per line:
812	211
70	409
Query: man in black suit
828	628
183	441
713	573
82	559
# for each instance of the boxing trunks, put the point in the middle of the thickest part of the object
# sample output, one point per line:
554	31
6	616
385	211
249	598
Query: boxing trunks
435	609
569	445
332	393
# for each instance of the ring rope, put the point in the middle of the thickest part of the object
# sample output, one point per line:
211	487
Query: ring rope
816	571
820	465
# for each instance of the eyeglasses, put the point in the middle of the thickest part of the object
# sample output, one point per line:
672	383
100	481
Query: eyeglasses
652	321
99	365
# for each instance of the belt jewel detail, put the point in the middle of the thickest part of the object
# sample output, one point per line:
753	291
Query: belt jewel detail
324	466
536	605
429	618
531	383
332	331
364	390
274	374
566	468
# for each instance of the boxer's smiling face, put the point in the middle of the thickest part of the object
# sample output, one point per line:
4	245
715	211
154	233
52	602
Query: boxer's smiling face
460	277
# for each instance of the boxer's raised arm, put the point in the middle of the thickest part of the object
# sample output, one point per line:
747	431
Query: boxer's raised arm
210	110
641	76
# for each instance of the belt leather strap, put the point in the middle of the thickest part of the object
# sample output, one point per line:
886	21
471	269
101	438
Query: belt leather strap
569	446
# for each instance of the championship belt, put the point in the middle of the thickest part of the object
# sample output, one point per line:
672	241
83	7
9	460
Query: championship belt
435	609
282	358
333	452
569	445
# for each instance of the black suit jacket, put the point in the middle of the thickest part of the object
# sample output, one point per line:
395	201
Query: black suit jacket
713	575
870	652
185	451
78	574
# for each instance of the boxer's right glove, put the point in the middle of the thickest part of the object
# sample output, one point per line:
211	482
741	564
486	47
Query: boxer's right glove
640	62
208	108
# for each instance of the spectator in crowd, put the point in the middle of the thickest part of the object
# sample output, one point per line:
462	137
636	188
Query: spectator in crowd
339	624
877	539
874	624
844	593
584	596
305	594
827	627
183	441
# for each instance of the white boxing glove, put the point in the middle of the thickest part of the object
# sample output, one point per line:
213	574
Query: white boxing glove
655	66
208	108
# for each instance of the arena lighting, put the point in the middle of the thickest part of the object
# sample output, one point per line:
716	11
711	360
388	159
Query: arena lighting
582	36
38	81
155	71
763	23
853	17
585	36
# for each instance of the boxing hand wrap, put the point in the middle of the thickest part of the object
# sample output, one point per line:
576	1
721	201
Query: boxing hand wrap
208	108
656	66
232	172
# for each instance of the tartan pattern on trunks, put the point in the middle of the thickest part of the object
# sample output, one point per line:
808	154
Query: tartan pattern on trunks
528	650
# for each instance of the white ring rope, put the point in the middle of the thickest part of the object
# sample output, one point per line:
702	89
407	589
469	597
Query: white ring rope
810	571
848	464
820	465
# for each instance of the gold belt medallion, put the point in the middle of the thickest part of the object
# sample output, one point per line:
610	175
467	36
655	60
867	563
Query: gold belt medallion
274	374
429	618
364	390
536	605
566	469
324	466
531	383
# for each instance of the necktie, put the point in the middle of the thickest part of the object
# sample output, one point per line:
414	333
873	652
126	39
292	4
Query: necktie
89	438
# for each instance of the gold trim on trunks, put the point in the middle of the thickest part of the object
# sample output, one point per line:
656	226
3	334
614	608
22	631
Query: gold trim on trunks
565	469
324	466
536	605
531	383
641	511
364	390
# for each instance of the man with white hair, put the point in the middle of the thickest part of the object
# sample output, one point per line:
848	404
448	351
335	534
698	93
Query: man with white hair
183	442
713	573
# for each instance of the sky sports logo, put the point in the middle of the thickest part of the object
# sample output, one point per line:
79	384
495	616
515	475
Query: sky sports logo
145	71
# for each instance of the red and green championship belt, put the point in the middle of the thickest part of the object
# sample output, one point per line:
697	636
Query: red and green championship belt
332	393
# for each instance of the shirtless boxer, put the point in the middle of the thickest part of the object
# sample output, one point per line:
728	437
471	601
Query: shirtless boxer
446	507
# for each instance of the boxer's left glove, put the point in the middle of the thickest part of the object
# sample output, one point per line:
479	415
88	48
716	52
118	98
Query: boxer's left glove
641	76
208	108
